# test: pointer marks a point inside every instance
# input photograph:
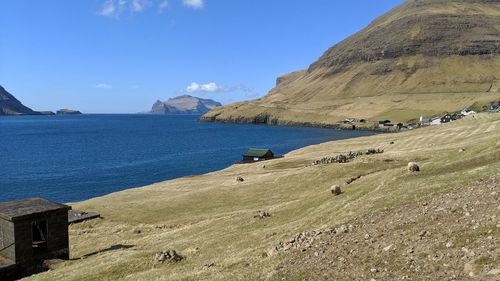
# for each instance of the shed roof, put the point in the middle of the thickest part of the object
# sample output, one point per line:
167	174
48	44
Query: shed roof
23	209
254	152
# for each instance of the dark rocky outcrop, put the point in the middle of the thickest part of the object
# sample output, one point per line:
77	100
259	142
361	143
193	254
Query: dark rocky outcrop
9	105
184	105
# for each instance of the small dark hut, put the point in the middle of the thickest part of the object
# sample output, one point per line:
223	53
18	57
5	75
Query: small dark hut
447	118
254	155
31	231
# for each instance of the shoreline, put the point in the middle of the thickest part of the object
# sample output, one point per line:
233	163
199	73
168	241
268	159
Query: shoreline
239	163
337	126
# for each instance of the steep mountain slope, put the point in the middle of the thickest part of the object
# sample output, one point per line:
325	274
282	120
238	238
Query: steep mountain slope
424	57
184	105
9	105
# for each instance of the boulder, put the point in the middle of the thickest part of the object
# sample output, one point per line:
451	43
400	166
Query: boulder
240	179
168	256
262	215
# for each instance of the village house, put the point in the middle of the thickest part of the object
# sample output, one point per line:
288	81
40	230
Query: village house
385	123
254	155
467	112
424	121
31	231
495	107
443	119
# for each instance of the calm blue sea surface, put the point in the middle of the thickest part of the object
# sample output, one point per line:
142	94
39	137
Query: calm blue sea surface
73	158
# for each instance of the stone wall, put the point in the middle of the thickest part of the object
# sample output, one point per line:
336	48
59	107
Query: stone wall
7	239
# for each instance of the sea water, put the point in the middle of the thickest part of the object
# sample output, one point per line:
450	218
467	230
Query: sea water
73	158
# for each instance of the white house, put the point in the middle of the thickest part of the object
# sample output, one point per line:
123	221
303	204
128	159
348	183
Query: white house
424	121
436	121
467	112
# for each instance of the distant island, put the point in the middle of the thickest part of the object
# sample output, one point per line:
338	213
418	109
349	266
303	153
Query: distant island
68	112
184	105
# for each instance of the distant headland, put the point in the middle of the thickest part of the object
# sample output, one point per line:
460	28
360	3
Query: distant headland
9	105
183	105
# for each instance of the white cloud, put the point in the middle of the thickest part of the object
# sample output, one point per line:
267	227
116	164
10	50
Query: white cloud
195	4
114	8
109	9
162	6
213	88
103	86
140	5
203	88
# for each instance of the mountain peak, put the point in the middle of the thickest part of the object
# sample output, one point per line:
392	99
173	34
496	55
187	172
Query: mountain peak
422	58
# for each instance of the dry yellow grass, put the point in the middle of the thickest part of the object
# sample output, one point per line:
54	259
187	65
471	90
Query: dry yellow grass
436	86
209	218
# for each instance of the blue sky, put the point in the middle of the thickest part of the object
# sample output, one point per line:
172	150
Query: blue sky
119	56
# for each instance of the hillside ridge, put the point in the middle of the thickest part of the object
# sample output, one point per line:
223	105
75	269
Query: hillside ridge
424	57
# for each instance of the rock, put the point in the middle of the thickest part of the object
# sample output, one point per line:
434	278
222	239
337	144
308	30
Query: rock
461	150
413	167
495	271
49	264
262	215
240	179
209	265
388	248
336	189
168	256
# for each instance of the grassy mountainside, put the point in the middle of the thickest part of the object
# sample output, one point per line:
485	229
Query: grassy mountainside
209	219
424	57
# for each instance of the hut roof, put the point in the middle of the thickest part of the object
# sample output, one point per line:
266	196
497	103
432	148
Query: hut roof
23	209
254	152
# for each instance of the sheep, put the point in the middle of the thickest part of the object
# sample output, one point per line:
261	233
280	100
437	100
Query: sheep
413	167
336	189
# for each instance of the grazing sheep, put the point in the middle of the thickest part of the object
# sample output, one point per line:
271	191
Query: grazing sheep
335	189
413	167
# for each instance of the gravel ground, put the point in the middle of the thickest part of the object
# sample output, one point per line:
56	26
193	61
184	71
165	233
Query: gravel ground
450	236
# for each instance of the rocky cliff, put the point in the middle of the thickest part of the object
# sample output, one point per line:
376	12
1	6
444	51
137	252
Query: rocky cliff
423	57
9	105
184	105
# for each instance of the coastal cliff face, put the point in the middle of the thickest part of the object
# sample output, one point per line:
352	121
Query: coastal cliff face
184	105
9	105
424	57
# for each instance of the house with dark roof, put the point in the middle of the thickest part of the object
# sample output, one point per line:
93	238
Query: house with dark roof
254	155
31	231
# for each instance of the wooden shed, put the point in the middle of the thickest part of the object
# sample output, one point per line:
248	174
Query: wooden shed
254	155
31	231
